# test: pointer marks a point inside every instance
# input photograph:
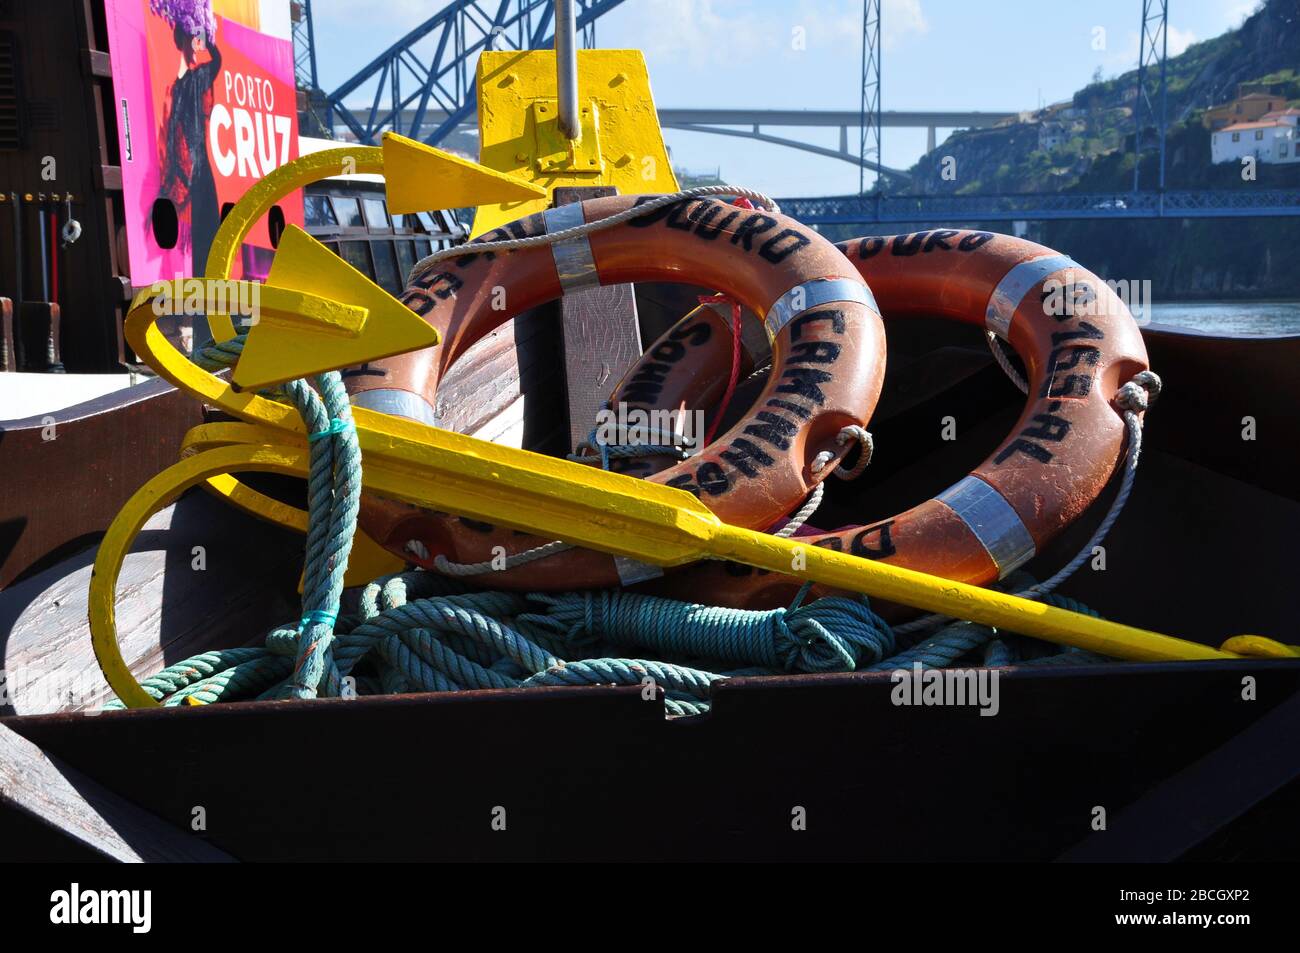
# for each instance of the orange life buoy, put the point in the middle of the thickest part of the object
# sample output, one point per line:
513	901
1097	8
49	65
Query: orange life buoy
828	362
1079	344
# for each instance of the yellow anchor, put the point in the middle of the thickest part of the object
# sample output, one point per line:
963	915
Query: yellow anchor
304	331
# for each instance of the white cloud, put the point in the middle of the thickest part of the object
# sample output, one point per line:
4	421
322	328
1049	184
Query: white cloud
1126	58
688	29
898	19
1234	11
1179	40
691	29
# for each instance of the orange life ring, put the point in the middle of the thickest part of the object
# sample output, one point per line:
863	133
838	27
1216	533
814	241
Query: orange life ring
1079	344
828	352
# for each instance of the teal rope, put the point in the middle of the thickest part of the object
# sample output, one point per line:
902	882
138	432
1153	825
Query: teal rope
829	635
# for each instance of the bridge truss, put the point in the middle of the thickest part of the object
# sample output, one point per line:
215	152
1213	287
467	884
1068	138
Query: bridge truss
432	67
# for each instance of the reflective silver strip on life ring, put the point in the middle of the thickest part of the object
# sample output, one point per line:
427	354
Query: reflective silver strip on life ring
574	263
813	294
632	571
1013	287
397	403
994	522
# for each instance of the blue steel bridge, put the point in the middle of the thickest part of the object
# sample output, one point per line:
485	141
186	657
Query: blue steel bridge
866	209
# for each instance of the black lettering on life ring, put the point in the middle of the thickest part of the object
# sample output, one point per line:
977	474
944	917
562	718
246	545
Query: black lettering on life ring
1028	448
974	240
862	545
709	231
939	239
710	478
1048	427
870	246
646	384
682	216
834	315
803	413
669	352
693	333
503	233
814	352
751	227
907	245
771	250
658	215
1085	332
803	381
744	454
1067	386
773	429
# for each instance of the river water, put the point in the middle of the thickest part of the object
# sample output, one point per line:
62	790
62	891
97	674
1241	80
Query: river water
1231	317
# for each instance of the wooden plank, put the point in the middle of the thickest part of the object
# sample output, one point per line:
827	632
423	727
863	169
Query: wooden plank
167	609
38	323
68	802
601	337
108	178
8	346
89	458
518	360
96	63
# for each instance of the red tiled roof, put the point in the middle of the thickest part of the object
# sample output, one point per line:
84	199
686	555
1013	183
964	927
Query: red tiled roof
1242	126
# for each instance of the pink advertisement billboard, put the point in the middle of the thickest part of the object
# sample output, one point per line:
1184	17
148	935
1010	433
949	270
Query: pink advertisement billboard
206	107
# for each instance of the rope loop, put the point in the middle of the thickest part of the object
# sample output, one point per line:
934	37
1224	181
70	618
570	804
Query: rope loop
1140	392
866	448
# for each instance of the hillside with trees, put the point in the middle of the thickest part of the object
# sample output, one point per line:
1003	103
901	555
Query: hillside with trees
1085	144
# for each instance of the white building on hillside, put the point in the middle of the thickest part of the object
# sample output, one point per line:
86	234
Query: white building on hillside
1273	139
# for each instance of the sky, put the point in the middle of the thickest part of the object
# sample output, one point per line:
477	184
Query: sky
1001	55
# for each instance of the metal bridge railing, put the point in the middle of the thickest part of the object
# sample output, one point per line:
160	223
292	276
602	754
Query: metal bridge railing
1220	203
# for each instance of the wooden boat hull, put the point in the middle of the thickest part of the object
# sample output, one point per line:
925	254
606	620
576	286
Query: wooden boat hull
581	773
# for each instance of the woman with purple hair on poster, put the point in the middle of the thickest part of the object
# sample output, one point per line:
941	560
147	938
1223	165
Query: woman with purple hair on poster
187	179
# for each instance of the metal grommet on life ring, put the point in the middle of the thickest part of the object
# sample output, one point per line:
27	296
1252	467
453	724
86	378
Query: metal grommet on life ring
1079	344
828	359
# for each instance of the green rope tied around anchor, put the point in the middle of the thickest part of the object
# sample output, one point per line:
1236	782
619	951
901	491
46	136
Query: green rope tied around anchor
333	500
